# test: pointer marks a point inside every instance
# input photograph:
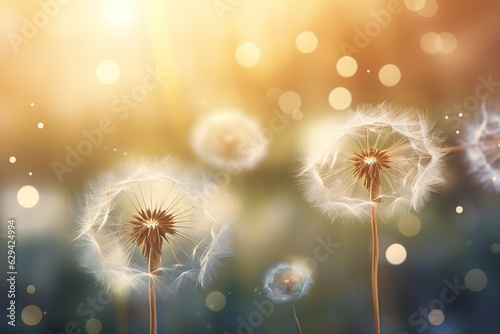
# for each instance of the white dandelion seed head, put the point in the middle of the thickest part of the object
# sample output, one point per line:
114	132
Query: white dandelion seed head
228	137
483	158
287	281
112	201
405	138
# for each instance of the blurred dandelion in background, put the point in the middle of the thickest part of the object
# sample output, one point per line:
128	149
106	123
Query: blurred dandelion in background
149	225
229	137
286	282
482	148
377	160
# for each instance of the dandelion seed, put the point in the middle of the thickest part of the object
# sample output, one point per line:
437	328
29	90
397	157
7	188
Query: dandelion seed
287	282
377	161
147	226
228	136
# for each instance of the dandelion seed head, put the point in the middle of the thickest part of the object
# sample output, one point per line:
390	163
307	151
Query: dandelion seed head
287	281
150	219
379	144
483	157
228	136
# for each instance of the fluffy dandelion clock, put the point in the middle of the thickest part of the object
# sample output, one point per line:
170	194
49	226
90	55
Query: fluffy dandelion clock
376	161
482	148
228	137
377	156
287	282
149	225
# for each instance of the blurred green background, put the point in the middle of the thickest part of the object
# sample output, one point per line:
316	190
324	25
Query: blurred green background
143	73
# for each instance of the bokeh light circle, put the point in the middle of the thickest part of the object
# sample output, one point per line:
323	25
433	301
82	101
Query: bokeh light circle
347	66
436	317
28	196
108	72
395	254
93	326
429	9
409	225
340	98
31	315
215	301
247	54
431	43
475	280
389	75
415	5
306	42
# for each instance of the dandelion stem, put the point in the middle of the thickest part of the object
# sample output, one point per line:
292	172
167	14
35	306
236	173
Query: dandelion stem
295	315
294	312
152	300
493	143
375	256
367	165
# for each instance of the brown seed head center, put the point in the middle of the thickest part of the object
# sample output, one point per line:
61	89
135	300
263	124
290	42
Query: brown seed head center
371	160
149	230
287	283
151	223
367	165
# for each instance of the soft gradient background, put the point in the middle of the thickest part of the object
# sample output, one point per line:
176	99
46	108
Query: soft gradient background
54	87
